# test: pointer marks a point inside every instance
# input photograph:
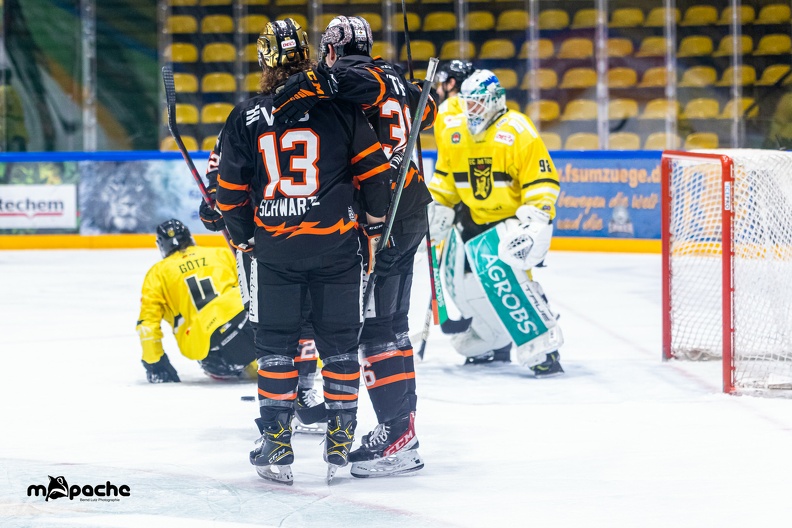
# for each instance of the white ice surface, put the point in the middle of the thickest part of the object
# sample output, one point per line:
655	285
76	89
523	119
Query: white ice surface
622	440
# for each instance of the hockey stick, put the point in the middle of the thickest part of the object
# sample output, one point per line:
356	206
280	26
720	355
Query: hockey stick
402	177
170	99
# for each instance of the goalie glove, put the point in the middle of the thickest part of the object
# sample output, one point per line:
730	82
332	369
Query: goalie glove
294	98
161	371
380	263
526	243
441	219
211	218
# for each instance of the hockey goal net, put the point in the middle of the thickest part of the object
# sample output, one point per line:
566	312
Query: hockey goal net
727	263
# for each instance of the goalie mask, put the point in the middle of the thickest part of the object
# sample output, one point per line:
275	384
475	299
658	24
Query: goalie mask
484	100
173	236
348	36
281	42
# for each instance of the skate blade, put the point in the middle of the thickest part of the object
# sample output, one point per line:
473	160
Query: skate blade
279	474
398	464
312	429
331	471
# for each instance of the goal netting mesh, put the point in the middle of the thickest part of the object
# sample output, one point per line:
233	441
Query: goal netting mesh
761	263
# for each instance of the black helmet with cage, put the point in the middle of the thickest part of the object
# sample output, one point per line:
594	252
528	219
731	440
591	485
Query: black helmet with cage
459	70
282	42
173	236
348	36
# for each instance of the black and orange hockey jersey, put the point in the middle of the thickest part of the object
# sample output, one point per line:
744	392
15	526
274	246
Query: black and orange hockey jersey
387	98
294	187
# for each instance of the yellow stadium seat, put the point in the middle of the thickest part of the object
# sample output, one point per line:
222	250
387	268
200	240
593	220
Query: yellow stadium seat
622	108
215	2
418	74
576	48
480	21
208	143
255	2
546	78
553	19
543	111
579	78
582	141
746	76
551	140
580	110
422	50
413	20
657	17
168	143
219	52
773	14
324	20
660	109
182	3
701	140
698	76
700	15
428	142
622	78
512	105
252	82
624	141
512	20
456	49
775	44
253	24
652	47
745	14
744	104
218	82
217	24
186	114
383	49
726	46
626	17
773	73
695	46
181	52
497	49
374	20
660	141
619	47
440	21
185	82
215	112
250	53
297	17
181	24
701	108
507	77
656	77
584	18
546	49
290	2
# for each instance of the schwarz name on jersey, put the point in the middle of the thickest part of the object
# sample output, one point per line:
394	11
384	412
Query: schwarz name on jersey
286	206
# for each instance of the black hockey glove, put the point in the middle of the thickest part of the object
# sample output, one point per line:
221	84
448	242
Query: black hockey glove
161	371
212	219
301	92
381	262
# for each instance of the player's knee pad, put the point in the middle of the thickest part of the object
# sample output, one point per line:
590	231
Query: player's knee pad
485	332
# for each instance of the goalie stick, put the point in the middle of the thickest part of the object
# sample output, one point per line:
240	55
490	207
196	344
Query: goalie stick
170	99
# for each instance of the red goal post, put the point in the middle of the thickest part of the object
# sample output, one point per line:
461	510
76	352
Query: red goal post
727	263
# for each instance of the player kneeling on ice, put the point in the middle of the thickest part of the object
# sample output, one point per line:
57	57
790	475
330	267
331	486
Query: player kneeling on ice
493	161
195	290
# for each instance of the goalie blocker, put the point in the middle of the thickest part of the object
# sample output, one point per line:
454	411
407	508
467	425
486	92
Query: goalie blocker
506	305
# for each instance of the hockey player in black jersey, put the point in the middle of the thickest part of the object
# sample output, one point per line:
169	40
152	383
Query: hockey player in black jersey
389	372
289	195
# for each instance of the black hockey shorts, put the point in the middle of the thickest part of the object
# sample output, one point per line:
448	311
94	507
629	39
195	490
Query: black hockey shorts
231	348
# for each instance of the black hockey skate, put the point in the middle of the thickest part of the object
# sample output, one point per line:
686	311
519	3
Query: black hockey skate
338	441
551	366
273	454
390	449
501	354
310	414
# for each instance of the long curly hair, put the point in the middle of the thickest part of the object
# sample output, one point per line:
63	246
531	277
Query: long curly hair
271	78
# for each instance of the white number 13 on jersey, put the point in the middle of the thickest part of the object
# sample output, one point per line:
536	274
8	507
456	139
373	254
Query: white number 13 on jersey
306	164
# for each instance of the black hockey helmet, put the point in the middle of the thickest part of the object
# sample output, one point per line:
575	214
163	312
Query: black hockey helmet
172	235
281	42
456	69
348	35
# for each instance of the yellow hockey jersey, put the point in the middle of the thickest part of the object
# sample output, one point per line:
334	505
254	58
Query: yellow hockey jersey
450	110
196	291
496	171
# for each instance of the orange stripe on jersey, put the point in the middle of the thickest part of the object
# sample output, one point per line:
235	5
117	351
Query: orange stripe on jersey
224	207
388	380
381	95
307	228
427	111
373	148
231	186
373	172
408	179
282	397
408	352
383	356
277	375
342	397
343	377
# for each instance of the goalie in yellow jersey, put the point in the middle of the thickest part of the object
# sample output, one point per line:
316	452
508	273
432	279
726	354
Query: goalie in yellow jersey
195	289
493	161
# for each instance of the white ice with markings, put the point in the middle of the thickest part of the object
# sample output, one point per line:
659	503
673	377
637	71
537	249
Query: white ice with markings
621	440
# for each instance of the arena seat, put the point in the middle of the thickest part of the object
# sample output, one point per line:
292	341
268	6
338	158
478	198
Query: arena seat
480	21
622	77
726	45
215	112
652	47
774	44
701	108
746	76
507	77
695	46
209	3
657	17
182	3
546	49
186	114
622	108
217	24
744	104
179	24
185	82
542	111
698	76
553	19
576	48
660	108
290	3
582	141
580	110
297	17
208	142
624	141
422	50
579	78
250	53
773	73
512	105
168	143
497	49
619	47
251	82
181	52
255	2
374	20
440	21
413	20
512	20
659	141
546	78
584	18
253	24
701	140
656	77
746	14
218	82
383	49
773	14
455	49
219	52
551	140
700	15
